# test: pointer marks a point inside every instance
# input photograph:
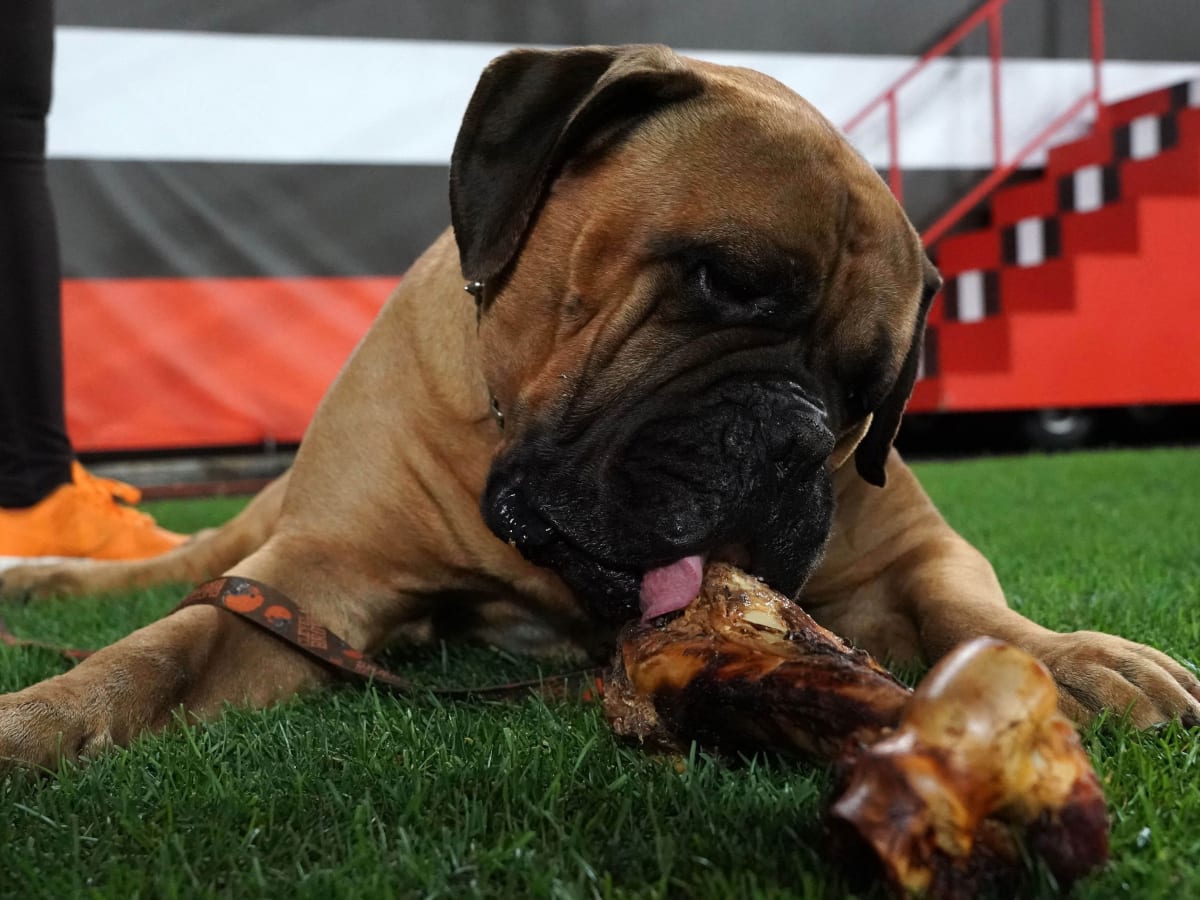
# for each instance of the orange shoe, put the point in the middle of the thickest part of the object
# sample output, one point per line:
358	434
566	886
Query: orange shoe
126	493
87	518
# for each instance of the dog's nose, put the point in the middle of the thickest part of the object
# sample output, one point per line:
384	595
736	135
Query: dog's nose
512	517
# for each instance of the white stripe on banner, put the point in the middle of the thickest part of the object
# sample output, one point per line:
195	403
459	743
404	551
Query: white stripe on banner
972	305
165	95
1143	137
1031	242
1089	188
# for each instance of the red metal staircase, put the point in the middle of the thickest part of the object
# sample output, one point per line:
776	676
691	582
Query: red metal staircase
1083	290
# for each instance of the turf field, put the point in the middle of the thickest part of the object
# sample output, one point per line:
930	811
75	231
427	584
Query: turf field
357	794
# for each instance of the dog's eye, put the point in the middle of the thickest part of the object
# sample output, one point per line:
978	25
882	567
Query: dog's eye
718	283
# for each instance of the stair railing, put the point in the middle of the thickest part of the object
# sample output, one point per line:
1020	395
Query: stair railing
991	12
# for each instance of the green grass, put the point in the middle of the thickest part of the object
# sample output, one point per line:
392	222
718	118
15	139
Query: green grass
359	794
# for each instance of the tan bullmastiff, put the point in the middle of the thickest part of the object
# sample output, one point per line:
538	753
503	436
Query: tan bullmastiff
698	325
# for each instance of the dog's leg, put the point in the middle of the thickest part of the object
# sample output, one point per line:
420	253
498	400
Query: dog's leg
912	589
953	595
205	555
198	658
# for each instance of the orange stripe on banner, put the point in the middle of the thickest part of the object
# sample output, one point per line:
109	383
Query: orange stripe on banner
161	363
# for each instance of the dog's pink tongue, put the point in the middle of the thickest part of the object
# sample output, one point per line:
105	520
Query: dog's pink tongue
672	587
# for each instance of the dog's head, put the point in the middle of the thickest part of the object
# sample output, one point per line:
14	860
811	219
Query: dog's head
698	300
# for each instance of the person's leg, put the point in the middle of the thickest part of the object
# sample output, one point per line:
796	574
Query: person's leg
35	453
49	505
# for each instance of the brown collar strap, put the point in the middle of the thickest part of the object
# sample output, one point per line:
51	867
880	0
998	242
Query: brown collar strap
277	614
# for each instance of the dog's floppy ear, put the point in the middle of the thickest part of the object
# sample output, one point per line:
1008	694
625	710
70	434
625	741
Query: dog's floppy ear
530	111
870	458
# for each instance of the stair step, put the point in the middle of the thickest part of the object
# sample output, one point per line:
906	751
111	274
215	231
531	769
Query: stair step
1036	242
1112	229
1092	186
1175	172
971	296
1088	189
973	346
977	295
1071	332
1153	103
1097	353
1095	149
1083	190
1022	201
1028	242
1125	123
969	250
1047	287
1080	292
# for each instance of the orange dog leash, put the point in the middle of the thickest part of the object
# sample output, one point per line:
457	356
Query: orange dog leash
276	614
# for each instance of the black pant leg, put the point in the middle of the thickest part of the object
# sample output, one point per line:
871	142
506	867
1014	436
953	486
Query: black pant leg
35	452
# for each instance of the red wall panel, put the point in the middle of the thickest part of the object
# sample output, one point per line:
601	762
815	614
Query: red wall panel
156	363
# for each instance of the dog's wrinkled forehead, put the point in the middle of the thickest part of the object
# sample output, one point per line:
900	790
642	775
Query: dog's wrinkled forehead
748	163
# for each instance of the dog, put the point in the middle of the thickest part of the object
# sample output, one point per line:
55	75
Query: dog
698	319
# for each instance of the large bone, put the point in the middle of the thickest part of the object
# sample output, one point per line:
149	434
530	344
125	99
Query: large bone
938	785
743	668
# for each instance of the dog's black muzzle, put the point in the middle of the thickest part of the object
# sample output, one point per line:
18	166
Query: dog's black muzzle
741	463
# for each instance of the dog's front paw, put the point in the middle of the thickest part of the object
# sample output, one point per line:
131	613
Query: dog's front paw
39	580
39	729
1097	672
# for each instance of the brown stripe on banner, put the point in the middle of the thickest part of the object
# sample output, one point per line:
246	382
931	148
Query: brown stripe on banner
151	219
